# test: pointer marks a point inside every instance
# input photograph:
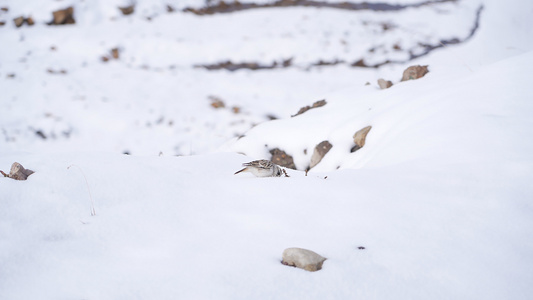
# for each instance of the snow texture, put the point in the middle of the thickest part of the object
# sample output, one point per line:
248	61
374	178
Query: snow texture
436	205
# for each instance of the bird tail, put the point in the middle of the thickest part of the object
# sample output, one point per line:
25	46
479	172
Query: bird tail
240	171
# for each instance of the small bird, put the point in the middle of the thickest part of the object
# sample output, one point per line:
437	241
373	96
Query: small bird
262	168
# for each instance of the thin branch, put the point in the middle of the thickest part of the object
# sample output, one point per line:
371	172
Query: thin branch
93	211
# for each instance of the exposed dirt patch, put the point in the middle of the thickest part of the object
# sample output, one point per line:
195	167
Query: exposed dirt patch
231	66
414	52
223	7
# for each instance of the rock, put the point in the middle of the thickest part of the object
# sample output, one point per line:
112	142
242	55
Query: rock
2	23
127	10
384	84
360	63
359	138
279	157
216	102
319	103
19	21
18	172
303	259
52	71
320	151
115	53
63	16
414	72
30	21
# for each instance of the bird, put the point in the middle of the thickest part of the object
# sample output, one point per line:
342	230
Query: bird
262	168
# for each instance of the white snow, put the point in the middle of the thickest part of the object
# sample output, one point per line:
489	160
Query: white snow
439	196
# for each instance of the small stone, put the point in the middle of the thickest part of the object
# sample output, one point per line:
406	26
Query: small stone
303	259
216	102
359	138
319	103
127	10
414	72
320	151
384	84
18	172
360	63
280	158
30	21
63	16
115	53
19	21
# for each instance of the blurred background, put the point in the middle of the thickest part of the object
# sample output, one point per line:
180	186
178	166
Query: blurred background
147	77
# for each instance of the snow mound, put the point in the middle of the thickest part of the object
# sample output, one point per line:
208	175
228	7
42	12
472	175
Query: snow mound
476	116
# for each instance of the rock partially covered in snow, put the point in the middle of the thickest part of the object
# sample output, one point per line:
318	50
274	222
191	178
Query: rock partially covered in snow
359	138
319	103
18	172
127	10
319	153
280	158
384	84
63	16
414	72
303	259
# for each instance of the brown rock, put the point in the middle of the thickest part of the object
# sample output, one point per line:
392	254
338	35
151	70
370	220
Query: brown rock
414	72
4	9
320	151
216	102
63	16
127	10
2	23
360	63
279	157
30	21
18	172
384	84
359	138
19	21
115	53
319	103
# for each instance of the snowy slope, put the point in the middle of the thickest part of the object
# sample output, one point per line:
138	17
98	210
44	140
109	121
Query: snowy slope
443	224
475	117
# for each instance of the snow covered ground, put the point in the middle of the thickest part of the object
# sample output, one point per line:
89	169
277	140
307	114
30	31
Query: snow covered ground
439	197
